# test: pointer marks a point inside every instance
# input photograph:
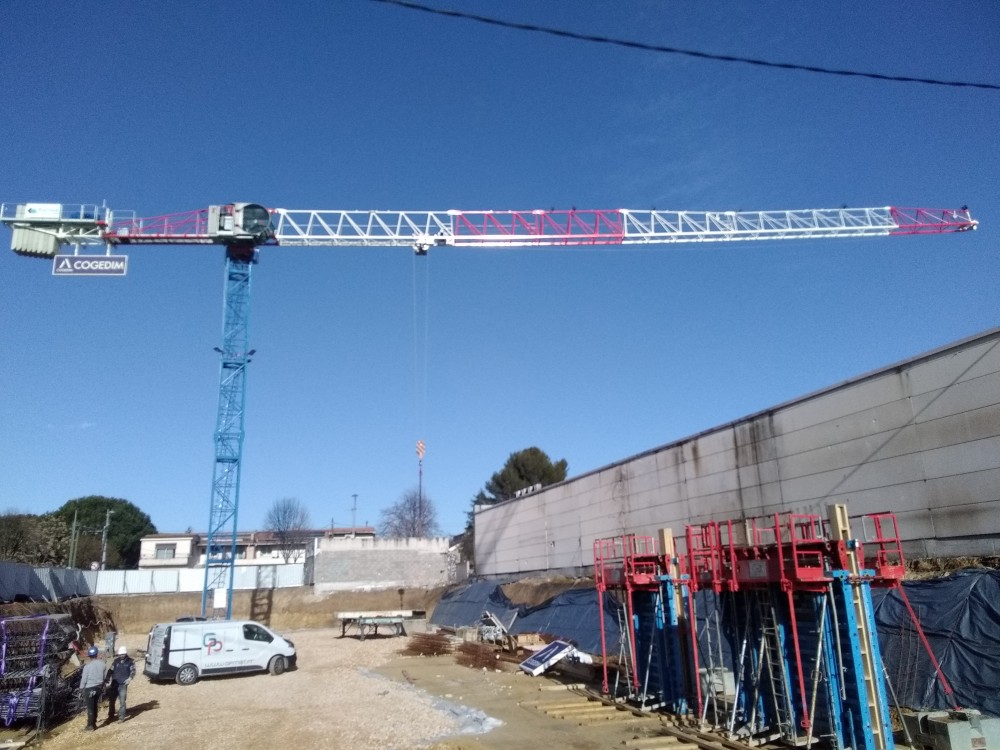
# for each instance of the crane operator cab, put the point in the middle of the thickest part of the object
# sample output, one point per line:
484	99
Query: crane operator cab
240	223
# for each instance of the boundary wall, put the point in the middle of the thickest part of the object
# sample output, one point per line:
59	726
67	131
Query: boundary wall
343	564
920	438
25	582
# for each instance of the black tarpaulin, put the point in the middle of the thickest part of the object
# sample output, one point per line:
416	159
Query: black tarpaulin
572	616
960	615
463	607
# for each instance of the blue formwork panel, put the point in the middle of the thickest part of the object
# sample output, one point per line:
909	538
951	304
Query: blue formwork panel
856	714
675	597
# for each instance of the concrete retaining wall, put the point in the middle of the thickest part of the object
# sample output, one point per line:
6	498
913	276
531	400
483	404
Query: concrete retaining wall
920	438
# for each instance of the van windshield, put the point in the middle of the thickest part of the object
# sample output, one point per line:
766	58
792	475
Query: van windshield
253	632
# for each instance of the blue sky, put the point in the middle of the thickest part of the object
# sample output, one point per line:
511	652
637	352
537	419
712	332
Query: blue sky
109	386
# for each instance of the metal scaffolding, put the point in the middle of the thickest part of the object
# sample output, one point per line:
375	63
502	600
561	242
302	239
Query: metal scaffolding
762	628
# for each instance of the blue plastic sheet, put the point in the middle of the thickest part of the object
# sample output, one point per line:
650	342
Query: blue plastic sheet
463	607
960	615
571	616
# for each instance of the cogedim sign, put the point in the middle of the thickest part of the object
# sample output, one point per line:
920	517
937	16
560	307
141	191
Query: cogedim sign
89	265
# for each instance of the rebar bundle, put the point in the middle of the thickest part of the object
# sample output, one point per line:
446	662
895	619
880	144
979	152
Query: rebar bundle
427	644
477	656
33	654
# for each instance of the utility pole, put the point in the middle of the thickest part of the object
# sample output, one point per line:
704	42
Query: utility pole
354	515
104	539
72	540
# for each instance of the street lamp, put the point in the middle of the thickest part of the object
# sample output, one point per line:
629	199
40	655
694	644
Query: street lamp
104	539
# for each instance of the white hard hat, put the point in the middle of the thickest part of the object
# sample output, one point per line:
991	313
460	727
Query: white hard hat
122	651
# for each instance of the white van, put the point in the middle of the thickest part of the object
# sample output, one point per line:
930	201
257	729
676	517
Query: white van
186	651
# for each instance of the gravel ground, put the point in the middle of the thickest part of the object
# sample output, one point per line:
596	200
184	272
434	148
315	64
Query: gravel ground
330	701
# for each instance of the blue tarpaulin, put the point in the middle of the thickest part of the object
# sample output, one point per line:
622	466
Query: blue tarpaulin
463	607
960	615
571	616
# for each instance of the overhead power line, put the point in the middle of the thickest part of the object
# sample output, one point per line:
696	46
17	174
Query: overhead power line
687	52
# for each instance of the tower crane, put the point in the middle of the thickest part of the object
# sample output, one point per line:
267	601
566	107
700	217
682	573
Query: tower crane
43	229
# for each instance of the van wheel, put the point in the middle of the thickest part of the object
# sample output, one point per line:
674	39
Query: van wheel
277	665
187	675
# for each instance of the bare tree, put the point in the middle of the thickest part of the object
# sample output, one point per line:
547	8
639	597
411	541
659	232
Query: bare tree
287	519
15	535
413	515
35	540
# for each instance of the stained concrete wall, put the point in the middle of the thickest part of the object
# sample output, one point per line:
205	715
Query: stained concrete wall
920	438
342	564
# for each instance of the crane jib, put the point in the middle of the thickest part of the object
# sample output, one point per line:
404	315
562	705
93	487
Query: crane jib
591	227
39	229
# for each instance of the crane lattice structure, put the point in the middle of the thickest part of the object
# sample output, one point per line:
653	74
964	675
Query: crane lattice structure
43	229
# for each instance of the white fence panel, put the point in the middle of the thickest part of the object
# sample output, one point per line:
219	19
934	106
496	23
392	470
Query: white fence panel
111	582
191	579
245	577
18	581
248	577
289	576
164	581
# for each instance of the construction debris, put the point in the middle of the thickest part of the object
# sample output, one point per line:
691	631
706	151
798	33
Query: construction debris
493	630
556	651
427	644
478	656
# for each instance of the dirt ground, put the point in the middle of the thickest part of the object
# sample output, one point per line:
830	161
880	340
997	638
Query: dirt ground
536	712
348	693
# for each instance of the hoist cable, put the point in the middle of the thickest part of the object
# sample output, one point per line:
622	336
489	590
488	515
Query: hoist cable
421	334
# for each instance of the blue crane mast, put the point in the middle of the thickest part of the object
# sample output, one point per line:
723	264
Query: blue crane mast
220	549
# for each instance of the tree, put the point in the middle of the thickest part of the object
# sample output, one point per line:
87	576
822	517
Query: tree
51	540
525	468
413	515
287	520
127	525
15	533
33	540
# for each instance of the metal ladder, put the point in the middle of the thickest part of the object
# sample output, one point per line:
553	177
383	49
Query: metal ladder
773	659
652	688
625	665
869	668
